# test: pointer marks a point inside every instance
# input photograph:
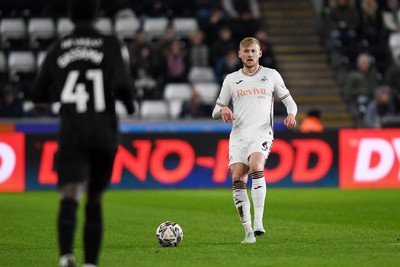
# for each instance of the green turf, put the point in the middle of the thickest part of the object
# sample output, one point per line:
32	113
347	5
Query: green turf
305	227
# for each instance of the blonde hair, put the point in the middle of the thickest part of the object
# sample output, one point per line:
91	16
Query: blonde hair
249	41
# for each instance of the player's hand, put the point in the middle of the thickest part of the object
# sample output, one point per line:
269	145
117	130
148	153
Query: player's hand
290	121
227	115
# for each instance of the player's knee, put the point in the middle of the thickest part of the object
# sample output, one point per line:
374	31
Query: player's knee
256	167
238	184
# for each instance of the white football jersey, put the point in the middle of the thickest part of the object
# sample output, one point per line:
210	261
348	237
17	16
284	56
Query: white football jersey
252	97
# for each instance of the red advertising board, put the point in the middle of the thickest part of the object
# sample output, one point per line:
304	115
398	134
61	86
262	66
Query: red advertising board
12	162
148	160
369	158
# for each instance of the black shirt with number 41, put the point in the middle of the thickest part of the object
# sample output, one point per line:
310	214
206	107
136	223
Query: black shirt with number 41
85	71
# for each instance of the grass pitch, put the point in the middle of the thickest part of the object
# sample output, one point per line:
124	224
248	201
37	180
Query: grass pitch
305	227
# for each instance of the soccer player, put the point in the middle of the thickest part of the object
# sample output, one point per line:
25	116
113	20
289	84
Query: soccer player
86	72
251	92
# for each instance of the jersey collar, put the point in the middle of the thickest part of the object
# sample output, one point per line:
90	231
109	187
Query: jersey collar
253	74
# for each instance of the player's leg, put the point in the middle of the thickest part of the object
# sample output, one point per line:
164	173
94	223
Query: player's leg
258	190
93	227
71	169
241	199
66	223
102	164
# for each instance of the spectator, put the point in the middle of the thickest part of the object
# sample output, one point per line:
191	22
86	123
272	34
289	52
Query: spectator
312	123
194	107
230	64
182	8
156	8
204	9
199	53
10	104
220	48
210	24
344	21
176	64
360	84
380	108
371	21
391	16
135	47
245	16
391	22
162	45
145	75
392	79
267	58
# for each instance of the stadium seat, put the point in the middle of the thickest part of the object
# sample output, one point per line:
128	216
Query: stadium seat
3	68
155	27
201	74
208	91
177	91
120	109
125	27
40	58
22	69
154	109
104	25
41	32
184	27
175	107
55	108
13	32
64	26
27	106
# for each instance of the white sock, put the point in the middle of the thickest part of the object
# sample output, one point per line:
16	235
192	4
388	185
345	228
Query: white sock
258	194
242	204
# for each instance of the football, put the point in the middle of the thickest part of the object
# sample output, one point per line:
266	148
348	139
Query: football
169	234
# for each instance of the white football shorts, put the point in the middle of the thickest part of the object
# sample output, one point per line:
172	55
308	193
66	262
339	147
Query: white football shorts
240	149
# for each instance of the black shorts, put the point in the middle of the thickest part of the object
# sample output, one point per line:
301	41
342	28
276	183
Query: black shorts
91	165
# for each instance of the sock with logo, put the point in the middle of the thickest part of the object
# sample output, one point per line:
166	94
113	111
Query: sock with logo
258	194
242	204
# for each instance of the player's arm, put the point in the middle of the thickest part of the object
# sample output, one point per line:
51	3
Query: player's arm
221	109
291	106
125	90
223	112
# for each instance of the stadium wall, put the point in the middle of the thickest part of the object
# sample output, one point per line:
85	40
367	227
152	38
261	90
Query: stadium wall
195	155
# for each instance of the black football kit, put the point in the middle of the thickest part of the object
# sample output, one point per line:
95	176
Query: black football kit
85	71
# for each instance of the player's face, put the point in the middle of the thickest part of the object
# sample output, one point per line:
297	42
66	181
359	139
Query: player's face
250	55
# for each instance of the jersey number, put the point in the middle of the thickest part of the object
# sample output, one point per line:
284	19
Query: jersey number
74	92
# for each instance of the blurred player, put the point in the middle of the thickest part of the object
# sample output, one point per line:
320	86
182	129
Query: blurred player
251	91
85	71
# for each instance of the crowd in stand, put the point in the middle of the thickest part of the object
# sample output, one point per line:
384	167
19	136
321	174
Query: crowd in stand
155	61
362	38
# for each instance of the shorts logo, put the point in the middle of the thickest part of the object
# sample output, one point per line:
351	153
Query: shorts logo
265	146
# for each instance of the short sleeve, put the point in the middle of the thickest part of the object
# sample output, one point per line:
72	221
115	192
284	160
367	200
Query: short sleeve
225	95
280	88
